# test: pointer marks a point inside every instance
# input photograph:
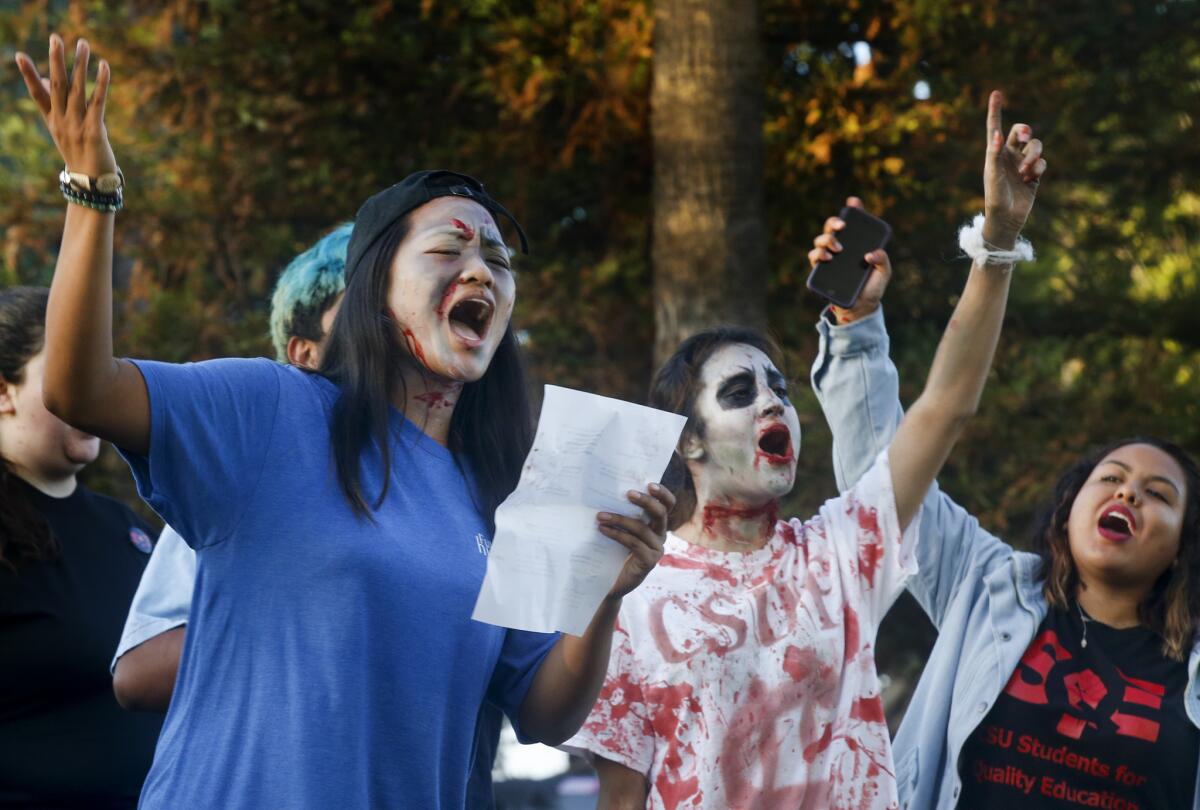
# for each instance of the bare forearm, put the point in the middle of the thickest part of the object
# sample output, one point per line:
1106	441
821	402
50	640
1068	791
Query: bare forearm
952	392
569	680
964	355
79	354
144	678
621	788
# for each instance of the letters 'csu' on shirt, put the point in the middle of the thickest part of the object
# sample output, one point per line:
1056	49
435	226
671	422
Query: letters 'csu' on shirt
330	661
1096	726
748	680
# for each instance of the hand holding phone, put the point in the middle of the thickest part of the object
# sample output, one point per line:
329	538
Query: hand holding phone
841	278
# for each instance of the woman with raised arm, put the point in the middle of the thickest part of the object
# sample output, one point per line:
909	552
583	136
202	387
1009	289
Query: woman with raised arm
744	674
340	518
1061	678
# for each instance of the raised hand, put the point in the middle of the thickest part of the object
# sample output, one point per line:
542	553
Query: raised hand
643	539
826	244
1012	170
76	122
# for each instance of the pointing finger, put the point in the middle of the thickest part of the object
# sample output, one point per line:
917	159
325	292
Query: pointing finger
995	104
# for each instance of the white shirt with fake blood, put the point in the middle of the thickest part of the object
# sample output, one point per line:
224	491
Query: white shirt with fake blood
748	680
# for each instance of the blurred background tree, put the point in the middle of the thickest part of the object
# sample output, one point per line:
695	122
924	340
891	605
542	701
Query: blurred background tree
248	129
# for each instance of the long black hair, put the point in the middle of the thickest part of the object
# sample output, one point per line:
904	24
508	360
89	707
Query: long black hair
675	388
491	429
1172	609
24	534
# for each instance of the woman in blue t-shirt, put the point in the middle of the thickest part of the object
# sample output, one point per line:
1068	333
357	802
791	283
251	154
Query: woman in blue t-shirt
341	519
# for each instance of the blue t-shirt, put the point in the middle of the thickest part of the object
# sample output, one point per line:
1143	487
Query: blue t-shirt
330	661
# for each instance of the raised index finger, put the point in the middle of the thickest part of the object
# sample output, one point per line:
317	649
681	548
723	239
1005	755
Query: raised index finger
995	104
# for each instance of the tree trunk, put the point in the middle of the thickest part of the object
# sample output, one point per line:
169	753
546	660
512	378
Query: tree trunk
709	249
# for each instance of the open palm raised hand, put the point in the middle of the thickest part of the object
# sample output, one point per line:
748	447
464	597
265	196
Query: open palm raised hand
76	122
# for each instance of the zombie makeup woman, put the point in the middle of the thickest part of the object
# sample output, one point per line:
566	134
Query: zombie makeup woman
1062	678
331	659
70	561
743	674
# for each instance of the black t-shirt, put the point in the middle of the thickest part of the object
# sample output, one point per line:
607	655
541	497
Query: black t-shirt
64	740
1101	725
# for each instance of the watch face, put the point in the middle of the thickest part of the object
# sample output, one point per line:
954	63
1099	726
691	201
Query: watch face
108	183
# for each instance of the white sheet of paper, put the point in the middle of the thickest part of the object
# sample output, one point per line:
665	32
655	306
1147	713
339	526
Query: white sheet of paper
549	566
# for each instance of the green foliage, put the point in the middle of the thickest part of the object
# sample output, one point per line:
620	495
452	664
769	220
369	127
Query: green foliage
249	129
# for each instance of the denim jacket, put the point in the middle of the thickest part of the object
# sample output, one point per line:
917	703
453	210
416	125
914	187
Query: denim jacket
983	596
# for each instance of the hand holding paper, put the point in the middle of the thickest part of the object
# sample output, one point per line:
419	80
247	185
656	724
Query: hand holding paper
553	559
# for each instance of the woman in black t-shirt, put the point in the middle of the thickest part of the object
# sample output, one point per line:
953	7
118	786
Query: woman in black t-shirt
1095	713
70	561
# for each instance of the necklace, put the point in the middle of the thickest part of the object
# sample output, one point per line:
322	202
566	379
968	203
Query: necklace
1083	619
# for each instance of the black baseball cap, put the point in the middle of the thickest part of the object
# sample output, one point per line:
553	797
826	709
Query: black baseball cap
380	211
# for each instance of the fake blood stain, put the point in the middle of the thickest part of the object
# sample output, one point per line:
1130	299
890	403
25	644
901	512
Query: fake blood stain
434	399
444	305
715	515
467	231
414	346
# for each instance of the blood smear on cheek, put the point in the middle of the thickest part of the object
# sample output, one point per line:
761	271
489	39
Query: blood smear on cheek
444	305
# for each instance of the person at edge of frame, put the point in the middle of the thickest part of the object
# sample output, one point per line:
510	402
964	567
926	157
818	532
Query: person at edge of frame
1061	678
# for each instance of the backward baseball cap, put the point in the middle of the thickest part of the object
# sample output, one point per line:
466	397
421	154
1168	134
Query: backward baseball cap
381	210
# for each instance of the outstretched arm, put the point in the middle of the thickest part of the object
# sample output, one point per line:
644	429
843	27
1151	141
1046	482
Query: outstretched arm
84	384
1012	170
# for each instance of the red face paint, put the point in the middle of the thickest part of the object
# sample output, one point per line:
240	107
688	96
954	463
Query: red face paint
414	345
467	231
775	436
444	305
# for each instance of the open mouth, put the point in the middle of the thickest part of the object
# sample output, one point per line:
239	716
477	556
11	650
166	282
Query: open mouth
470	318
1116	523
775	444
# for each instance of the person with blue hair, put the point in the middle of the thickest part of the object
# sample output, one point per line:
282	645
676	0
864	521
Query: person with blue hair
305	300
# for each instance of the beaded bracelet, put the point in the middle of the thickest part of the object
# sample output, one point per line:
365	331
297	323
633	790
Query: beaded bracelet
108	203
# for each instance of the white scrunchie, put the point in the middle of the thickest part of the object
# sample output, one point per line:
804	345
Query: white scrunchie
970	240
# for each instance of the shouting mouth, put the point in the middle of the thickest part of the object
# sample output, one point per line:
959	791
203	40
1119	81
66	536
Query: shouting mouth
775	445
1116	523
470	319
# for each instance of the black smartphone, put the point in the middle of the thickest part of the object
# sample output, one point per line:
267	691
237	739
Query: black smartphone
841	279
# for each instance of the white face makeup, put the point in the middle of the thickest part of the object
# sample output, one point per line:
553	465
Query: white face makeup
751	430
452	289
1125	524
